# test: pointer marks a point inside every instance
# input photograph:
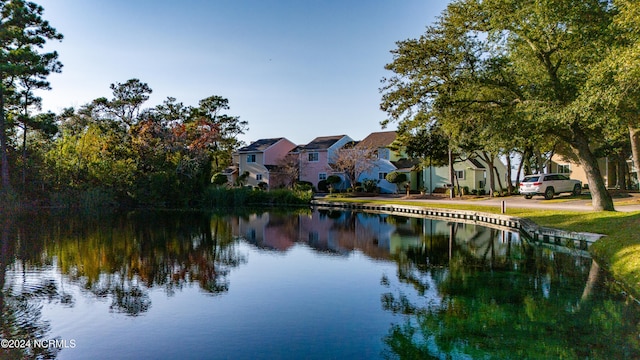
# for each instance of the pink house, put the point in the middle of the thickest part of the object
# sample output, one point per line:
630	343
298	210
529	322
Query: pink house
261	157
315	157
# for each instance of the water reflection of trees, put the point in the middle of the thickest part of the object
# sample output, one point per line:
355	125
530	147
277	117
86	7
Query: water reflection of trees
121	257
21	316
503	299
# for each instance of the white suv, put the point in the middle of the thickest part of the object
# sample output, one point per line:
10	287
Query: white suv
549	185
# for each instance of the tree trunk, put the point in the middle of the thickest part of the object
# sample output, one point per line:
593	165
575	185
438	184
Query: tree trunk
24	155
510	189
600	197
519	172
3	142
495	169
488	159
451	173
622	171
634	134
539	162
526	159
24	138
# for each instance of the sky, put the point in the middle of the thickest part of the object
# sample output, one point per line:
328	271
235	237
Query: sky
291	68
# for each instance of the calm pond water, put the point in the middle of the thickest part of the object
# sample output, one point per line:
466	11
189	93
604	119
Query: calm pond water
304	284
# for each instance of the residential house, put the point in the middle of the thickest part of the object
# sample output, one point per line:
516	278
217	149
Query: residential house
261	158
609	169
471	173
387	161
231	172
316	156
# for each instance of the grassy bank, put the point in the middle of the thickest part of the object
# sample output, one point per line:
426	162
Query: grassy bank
240	197
618	252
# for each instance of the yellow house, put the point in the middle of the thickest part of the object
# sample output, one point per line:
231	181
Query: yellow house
609	169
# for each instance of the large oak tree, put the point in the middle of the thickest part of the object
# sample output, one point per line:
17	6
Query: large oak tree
505	65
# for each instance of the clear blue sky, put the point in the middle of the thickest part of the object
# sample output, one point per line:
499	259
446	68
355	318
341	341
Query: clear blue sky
294	68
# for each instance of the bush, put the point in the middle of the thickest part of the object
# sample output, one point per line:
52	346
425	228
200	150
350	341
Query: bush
370	185
238	197
396	177
303	186
242	179
219	179
92	198
334	179
323	186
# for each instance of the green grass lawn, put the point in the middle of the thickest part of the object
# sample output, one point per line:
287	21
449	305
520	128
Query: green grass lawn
618	251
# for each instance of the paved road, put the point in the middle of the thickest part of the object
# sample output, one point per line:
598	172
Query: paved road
561	202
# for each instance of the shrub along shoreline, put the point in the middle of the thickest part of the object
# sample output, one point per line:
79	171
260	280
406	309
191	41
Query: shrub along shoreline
618	252
211	198
238	197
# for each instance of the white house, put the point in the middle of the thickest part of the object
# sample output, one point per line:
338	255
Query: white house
387	161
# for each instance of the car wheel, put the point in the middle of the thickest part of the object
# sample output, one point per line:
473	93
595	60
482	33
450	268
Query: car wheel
528	196
577	190
548	193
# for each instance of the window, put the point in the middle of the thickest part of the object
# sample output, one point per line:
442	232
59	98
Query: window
382	175
313	156
322	176
460	174
564	168
258	177
251	158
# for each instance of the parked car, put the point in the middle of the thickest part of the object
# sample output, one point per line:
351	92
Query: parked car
549	185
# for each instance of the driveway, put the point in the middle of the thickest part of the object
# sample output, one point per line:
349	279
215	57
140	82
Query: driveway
560	202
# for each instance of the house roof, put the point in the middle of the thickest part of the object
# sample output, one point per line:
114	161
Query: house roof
378	139
230	170
260	145
405	164
477	164
322	142
296	149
